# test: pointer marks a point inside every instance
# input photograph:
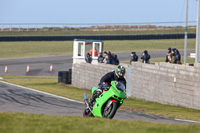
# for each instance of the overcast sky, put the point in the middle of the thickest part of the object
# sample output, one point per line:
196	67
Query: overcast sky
95	11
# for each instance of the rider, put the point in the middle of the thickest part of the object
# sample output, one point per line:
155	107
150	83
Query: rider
117	75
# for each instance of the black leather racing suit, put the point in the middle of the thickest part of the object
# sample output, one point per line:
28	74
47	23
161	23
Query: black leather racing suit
111	76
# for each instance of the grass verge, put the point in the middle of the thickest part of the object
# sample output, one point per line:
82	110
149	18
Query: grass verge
49	48
31	123
47	84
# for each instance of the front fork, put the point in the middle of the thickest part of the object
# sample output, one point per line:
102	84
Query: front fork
86	102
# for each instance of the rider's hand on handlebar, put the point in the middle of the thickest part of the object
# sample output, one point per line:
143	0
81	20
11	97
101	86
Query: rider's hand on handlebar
106	86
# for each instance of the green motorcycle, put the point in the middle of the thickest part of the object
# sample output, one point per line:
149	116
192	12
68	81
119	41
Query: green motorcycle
107	103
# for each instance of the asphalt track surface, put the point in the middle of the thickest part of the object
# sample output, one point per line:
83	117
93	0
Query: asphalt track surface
40	66
14	98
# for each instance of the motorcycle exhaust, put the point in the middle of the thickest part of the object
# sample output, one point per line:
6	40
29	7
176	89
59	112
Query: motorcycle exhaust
85	97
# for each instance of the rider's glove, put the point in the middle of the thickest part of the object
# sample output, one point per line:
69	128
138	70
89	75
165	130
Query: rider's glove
106	86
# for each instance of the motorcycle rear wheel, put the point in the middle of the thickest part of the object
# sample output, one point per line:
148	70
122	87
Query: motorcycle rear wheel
110	111
87	113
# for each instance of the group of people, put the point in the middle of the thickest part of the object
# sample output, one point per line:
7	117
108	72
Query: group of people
145	57
173	56
108	58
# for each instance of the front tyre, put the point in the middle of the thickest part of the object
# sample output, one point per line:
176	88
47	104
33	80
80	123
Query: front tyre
110	109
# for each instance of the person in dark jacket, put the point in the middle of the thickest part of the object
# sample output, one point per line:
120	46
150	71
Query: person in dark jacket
145	57
104	55
117	75
100	58
110	60
134	57
178	56
168	55
88	58
116	59
173	56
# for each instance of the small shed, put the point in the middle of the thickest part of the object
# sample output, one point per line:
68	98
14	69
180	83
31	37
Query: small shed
82	47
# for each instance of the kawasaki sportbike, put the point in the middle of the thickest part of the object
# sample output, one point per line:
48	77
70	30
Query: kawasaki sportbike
107	103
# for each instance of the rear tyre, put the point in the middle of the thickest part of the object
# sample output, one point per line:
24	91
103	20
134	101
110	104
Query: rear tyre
110	110
87	113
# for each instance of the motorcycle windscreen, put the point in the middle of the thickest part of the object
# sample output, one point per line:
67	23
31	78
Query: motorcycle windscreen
120	86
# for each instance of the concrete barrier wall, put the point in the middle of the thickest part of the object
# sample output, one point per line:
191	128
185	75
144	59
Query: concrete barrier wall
164	83
167	83
86	75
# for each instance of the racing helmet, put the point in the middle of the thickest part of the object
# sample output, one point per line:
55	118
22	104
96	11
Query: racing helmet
121	69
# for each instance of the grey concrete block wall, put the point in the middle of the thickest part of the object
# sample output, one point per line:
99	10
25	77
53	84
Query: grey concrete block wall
86	75
163	82
167	83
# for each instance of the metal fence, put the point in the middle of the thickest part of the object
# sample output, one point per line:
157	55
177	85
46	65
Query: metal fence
10	27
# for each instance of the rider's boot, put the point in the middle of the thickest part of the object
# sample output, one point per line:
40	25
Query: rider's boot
94	96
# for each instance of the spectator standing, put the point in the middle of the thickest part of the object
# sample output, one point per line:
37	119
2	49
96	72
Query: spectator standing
173	56
109	53
106	61
168	55
110	59
100	58
178	56
117	60
88	58
104	55
134	57
145	57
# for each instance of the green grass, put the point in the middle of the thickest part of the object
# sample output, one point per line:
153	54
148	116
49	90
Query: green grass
50	85
51	48
150	45
34	49
31	123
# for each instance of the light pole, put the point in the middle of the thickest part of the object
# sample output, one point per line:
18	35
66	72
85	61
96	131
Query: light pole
197	59
186	32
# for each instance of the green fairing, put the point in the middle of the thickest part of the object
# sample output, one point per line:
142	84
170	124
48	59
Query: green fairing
112	93
94	89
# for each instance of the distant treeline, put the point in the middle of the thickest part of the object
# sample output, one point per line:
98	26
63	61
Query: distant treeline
106	27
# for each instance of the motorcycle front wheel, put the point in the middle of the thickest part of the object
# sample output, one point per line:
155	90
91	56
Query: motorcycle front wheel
110	109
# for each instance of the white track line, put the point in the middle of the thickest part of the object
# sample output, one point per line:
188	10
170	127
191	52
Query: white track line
40	92
187	121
